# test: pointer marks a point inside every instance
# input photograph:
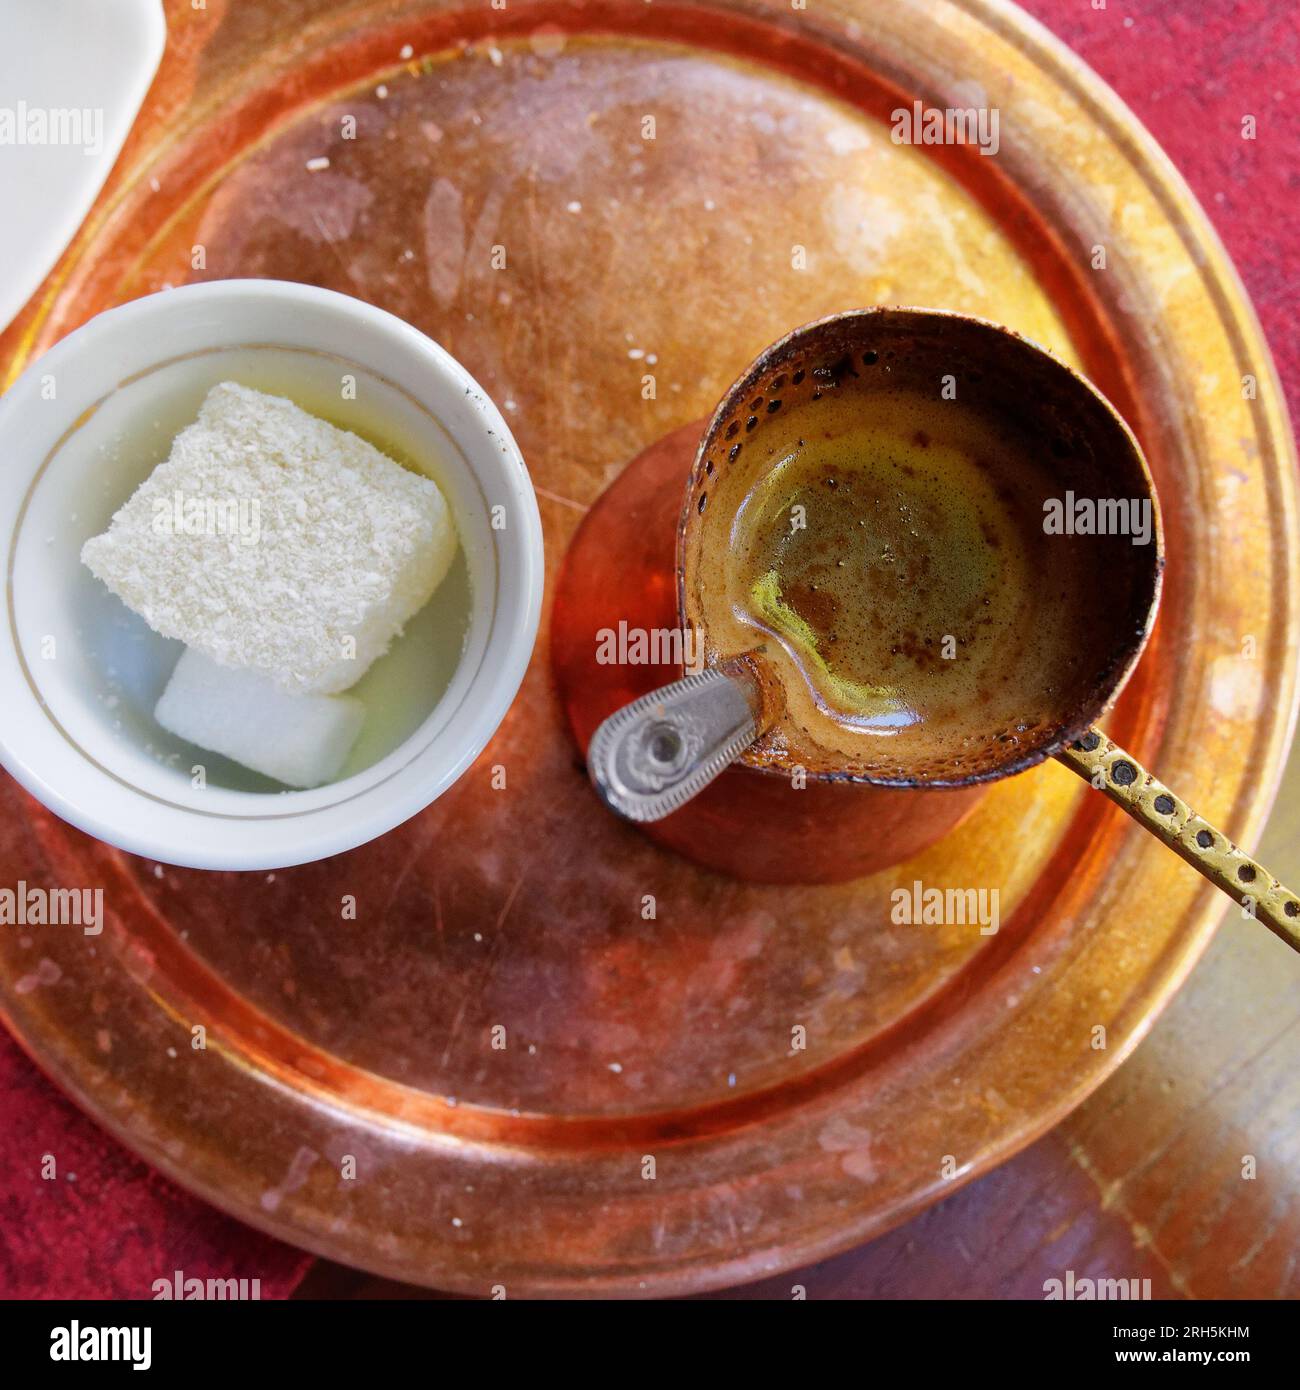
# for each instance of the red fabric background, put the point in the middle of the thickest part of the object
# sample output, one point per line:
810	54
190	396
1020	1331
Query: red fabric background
109	1226
1190	70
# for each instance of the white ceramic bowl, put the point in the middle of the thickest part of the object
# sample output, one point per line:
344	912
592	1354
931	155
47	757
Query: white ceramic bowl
79	673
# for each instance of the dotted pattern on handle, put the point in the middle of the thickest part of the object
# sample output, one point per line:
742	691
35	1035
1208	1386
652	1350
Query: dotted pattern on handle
1103	763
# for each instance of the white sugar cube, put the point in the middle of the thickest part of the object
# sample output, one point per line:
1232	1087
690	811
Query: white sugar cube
301	740
275	541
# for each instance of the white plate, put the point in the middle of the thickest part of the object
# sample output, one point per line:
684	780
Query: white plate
73	74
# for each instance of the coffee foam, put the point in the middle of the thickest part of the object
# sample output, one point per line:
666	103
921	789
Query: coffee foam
883	550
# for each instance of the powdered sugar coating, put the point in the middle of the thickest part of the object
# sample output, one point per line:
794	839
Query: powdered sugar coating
327	550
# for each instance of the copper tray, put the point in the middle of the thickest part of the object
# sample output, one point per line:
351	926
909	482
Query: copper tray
932	1054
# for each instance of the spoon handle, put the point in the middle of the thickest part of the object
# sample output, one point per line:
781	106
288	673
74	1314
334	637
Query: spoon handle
1103	763
652	756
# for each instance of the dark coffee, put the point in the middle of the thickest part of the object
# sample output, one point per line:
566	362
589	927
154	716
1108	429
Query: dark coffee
884	550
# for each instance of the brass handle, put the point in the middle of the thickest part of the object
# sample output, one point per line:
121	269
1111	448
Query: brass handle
1103	763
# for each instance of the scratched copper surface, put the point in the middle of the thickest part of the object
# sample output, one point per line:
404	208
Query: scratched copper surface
536	923
673	1037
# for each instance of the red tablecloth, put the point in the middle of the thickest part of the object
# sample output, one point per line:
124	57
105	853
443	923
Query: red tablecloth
1191	69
